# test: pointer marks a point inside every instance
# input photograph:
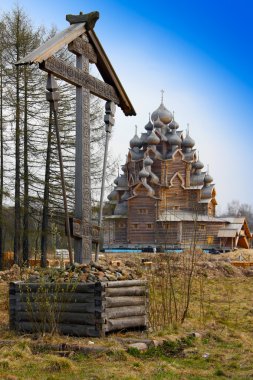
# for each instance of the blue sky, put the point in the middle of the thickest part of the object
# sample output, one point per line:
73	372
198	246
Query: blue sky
200	52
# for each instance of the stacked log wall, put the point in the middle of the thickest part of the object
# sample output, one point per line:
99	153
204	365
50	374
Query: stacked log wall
83	310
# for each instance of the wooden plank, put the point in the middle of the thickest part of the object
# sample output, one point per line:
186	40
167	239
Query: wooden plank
50	297
79	47
125	311
61	317
126	283
53	45
88	307
58	288
127	291
79	78
123	323
124	301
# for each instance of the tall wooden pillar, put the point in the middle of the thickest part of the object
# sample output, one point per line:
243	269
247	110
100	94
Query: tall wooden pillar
83	247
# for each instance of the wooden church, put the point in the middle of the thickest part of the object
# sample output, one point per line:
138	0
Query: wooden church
164	198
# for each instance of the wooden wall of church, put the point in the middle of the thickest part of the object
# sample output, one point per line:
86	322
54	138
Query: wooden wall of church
141	220
120	231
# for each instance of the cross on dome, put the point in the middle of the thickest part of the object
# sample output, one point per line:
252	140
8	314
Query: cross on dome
162	92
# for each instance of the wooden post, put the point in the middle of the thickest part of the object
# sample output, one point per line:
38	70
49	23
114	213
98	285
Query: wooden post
110	109
83	246
53	97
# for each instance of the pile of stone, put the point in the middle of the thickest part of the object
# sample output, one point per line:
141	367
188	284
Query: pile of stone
104	270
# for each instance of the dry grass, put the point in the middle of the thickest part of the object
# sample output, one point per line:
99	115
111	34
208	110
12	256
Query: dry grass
221	311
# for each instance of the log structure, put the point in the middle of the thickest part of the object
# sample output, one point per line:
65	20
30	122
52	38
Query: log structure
165	198
81	309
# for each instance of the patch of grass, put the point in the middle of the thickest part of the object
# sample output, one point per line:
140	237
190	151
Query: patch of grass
55	363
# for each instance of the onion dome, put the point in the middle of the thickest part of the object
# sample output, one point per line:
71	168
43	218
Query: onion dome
121	209
124	168
143	173
206	192
173	139
148	161
149	126
198	165
173	125
158	123
125	196
152	139
116	181
135	142
197	179
113	195
122	181
143	138
164	114
188	142
136	154
208	178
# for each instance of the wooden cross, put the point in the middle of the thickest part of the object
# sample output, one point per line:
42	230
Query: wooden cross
83	42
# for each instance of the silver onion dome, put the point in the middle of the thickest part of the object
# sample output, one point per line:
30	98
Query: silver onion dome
158	123
125	196
148	161
113	196
173	139
164	114
149	126
188	142
208	178
198	165
152	139
116	181
135	142
173	125
143	173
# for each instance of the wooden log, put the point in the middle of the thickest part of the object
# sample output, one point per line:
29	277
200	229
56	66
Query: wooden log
124	301
12	306
125	311
59	288
124	323
52	297
126	283
67	329
126	291
88	307
61	317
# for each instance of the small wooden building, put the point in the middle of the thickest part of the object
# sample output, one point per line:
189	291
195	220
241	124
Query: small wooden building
164	197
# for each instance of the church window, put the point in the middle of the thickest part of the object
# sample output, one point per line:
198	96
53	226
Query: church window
202	227
134	226
149	226
122	225
142	211
209	239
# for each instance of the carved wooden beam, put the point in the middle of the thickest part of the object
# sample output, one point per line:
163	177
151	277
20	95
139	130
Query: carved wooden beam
79	46
79	78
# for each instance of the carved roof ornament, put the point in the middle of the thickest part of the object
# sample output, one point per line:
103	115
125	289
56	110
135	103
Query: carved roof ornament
90	19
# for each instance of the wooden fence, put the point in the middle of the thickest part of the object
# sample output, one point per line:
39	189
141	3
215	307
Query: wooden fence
81	309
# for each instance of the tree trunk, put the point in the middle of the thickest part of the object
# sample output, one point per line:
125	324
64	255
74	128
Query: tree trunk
45	224
26	177
17	222
2	165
